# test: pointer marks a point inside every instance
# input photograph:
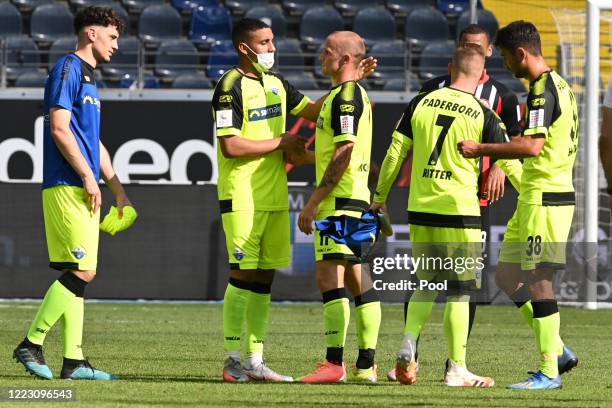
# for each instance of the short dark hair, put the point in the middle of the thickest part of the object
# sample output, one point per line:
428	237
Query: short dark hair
244	27
100	16
517	34
474	29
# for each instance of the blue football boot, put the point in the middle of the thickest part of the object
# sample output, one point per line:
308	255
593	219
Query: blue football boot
32	358
567	360
83	370
537	381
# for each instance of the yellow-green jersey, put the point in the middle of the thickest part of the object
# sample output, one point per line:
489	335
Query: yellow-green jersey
552	112
346	116
444	185
254	109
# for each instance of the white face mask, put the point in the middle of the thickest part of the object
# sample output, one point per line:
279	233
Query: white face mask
265	61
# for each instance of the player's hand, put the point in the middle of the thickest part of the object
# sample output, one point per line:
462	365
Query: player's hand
93	194
122	201
494	190
377	207
306	219
290	142
297	157
469	149
367	66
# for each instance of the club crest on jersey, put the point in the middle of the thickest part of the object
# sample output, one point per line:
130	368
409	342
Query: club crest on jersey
79	253
274	90
239	254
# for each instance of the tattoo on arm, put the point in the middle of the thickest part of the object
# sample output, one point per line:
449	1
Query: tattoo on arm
337	166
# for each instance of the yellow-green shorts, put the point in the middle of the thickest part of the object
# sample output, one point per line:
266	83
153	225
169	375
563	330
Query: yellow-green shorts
326	248
72	230
257	239
451	255
536	236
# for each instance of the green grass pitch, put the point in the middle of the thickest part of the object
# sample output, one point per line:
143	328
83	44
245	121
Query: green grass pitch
171	355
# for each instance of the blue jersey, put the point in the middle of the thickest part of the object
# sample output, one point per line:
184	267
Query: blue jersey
71	86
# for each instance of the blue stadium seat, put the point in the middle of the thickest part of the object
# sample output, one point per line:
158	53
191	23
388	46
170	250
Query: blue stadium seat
290	56
240	7
402	8
50	22
391	57
317	23
22	55
374	24
138	6
123	16
299	7
192	81
222	57
485	19
395	84
187	6
435	58
176	57
271	15
32	79
425	25
349	8
210	24
79	4
125	60
159	23
26	6
130	82
452	8
61	47
10	20
304	81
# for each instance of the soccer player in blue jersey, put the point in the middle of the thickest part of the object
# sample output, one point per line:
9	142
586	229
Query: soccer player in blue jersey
74	159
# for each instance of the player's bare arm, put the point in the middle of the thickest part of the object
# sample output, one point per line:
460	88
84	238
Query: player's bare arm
236	146
517	148
68	146
112	181
336	168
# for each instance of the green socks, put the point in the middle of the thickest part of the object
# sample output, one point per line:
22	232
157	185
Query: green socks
336	315
64	299
546	322
456	327
419	310
368	316
258	310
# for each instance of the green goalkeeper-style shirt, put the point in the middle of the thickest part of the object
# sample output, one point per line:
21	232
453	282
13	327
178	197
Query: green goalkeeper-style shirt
254	109
552	113
346	115
444	184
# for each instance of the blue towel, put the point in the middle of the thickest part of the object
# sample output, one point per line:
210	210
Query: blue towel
351	231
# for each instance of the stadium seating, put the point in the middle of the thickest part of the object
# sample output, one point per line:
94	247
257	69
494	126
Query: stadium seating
26	6
425	25
485	18
515	85
304	81
402	8
453	8
138	6
150	81
240	7
124	61
123	16
10	20
191	81
176	57
435	58
50	22
22	55
271	15
61	47
395	84
374	24
391	57
31	79
187	6
349	8
78	4
222	57
290	56
158	23
299	7
210	24
317	23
